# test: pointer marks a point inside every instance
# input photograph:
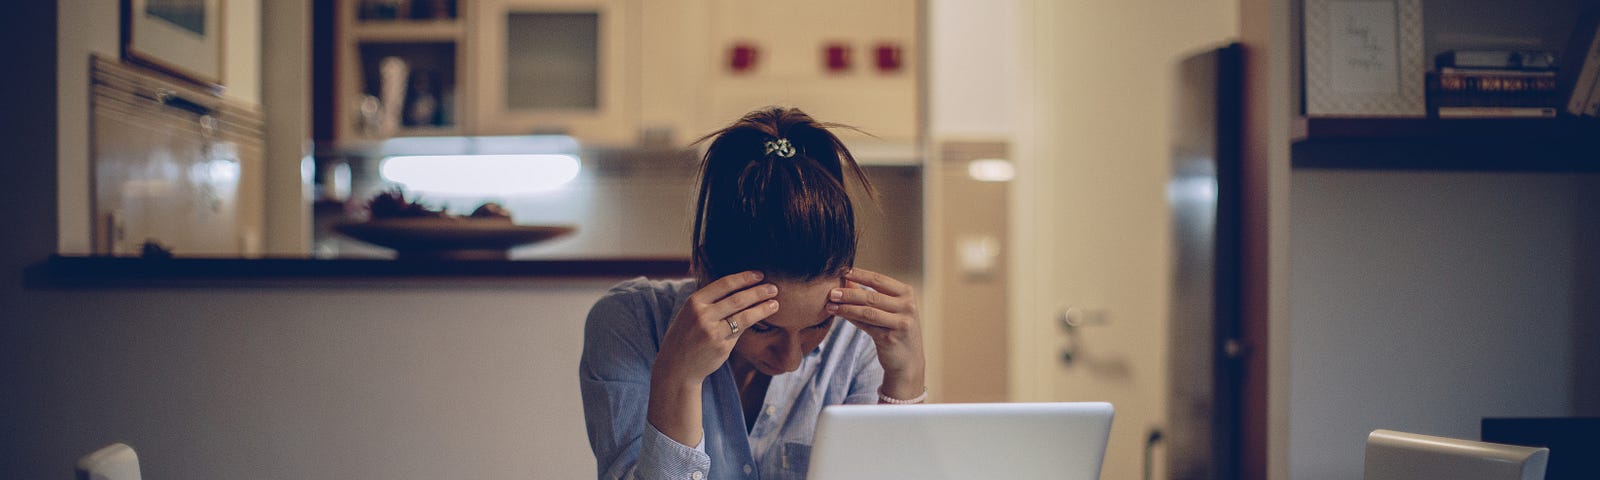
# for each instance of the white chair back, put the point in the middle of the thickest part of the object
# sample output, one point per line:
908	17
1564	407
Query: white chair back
1395	455
114	462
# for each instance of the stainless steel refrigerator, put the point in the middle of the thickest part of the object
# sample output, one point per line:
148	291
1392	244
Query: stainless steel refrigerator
1201	437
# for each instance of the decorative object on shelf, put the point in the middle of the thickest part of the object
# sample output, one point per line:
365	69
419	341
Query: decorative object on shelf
416	231
422	105
1364	58
836	57
889	57
179	37
392	72
1579	79
743	57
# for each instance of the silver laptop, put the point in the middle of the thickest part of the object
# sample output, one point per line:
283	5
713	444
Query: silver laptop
961	440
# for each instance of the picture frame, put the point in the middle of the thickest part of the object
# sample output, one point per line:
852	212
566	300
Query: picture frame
1364	58
183	38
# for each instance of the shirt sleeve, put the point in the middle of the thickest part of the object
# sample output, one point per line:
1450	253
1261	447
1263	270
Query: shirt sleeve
614	379
868	372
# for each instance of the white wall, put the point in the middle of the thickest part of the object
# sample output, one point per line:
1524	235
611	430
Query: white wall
1423	302
438	379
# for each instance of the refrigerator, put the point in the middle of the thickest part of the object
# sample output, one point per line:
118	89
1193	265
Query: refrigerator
1201	437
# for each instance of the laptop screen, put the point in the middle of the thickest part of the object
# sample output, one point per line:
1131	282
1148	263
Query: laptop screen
961	440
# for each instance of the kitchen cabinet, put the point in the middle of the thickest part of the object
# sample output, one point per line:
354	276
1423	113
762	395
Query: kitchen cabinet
628	73
556	66
423	43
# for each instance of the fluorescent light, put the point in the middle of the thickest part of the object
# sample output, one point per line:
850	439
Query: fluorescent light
480	175
991	170
480	166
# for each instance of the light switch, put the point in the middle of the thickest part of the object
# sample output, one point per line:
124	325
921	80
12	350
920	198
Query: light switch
979	254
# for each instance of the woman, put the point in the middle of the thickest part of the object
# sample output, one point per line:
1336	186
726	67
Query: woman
723	376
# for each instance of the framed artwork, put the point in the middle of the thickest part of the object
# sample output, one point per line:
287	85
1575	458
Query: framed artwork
1363	58
180	37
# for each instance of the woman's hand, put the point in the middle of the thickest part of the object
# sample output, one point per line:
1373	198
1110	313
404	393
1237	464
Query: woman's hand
889	316
697	341
702	334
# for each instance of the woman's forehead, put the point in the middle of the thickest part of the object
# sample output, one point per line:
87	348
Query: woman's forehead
801	304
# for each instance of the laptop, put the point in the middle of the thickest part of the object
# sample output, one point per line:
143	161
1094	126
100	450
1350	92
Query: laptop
961	440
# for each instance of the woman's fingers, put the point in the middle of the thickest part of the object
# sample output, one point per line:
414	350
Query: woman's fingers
869	298
741	300
729	295
756	313
871	316
722	287
880	282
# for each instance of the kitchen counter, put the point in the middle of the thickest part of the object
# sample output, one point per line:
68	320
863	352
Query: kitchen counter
101	271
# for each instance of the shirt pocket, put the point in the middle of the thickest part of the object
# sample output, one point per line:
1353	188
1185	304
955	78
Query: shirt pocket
796	459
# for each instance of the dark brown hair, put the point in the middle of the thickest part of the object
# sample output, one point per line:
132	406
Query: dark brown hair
789	217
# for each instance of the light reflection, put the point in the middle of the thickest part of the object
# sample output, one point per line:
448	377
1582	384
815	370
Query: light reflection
480	166
480	175
991	170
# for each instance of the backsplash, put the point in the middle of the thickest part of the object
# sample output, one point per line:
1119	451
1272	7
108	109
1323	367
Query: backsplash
624	203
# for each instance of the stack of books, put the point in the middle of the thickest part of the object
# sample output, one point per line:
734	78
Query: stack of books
1494	84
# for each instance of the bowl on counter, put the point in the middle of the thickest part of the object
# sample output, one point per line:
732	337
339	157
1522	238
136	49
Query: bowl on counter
450	238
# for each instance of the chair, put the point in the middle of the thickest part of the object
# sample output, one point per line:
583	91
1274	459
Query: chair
1395	455
114	462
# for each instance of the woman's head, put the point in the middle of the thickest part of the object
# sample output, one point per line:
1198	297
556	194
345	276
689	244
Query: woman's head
772	197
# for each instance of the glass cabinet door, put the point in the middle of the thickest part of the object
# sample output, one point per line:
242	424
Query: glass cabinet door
556	66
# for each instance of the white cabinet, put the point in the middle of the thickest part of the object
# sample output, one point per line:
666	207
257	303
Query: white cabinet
619	73
556	66
797	47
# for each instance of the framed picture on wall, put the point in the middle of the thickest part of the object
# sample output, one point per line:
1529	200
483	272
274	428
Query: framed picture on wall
180	37
1364	58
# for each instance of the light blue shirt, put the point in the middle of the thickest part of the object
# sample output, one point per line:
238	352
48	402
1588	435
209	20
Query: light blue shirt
620	341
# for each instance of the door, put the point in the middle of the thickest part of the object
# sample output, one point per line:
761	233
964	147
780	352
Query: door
1093	231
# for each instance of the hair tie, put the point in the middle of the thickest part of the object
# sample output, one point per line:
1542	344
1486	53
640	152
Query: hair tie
781	147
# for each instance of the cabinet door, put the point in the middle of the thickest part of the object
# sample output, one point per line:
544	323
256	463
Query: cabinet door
557	66
793	65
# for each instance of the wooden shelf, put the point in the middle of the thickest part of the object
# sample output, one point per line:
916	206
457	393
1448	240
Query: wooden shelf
1313	129
1491	144
406	31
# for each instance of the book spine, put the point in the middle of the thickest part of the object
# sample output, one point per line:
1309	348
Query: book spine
1496	72
1523	60
1445	100
1451	82
1592	106
1497	112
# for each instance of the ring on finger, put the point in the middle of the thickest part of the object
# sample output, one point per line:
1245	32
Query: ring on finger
732	325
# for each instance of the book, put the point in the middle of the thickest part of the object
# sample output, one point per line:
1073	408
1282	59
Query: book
1492	82
1499	59
1500	72
1578	72
1487	100
1496	112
